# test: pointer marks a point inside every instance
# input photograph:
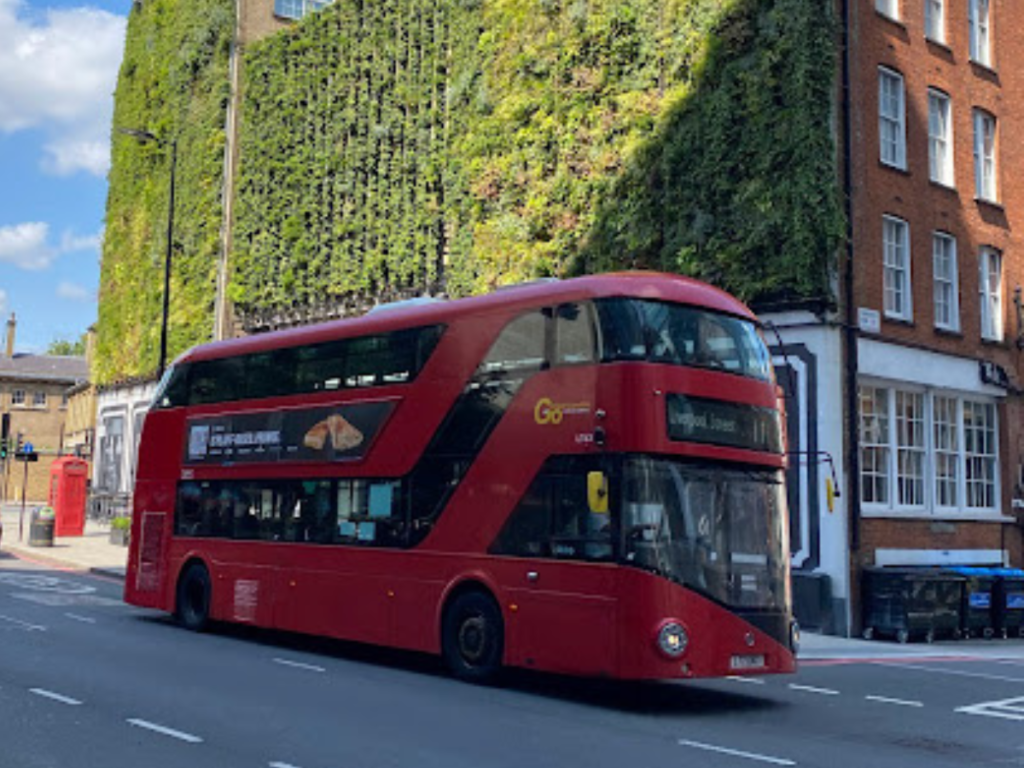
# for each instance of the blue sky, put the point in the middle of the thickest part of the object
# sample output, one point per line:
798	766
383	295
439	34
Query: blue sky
58	69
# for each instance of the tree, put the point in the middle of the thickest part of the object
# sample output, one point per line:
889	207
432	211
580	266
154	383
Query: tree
67	348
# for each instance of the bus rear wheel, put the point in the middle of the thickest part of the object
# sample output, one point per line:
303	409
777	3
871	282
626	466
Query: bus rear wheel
473	637
193	600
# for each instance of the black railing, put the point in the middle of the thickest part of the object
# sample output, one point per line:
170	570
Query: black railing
103	506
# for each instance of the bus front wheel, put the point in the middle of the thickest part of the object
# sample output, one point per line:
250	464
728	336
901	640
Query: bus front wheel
473	637
193	600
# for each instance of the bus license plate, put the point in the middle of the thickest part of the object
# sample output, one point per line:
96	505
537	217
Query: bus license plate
747	662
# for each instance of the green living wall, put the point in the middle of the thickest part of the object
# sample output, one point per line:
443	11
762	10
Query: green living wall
404	146
174	83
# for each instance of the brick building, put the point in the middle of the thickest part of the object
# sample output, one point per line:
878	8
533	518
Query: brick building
34	392
920	371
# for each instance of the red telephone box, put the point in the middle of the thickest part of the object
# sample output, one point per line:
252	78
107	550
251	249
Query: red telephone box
68	481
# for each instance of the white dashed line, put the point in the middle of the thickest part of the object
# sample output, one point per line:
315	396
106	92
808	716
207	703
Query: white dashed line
23	624
283	765
83	619
181	735
900	702
736	753
54	696
752	680
299	665
812	689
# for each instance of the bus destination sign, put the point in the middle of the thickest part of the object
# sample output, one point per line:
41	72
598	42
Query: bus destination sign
333	433
700	420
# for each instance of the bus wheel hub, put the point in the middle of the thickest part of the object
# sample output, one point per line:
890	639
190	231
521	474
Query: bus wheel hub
473	638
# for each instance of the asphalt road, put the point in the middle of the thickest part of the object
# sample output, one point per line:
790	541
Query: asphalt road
87	681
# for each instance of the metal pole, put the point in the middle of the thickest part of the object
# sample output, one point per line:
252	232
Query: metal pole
21	517
167	264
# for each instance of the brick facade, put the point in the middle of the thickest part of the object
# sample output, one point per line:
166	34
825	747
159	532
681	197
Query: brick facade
879	190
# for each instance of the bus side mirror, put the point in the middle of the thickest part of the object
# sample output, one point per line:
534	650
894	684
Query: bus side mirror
597	492
830	494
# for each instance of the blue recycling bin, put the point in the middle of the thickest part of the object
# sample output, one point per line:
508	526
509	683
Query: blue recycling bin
1009	602
978	606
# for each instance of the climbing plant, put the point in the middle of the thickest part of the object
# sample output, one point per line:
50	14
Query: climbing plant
173	83
406	145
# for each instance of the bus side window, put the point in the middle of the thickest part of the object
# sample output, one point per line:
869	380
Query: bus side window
574	334
519	346
553	519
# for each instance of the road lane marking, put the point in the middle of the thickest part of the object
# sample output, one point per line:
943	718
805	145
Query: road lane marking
1007	709
736	753
901	702
812	689
165	731
23	624
299	665
55	696
738	679
955	672
282	765
45	583
83	619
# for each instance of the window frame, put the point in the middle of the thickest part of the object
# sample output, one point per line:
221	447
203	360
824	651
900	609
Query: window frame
991	302
899	120
888	8
18	397
931	506
986	166
941	170
950	281
891	269
980	32
935	20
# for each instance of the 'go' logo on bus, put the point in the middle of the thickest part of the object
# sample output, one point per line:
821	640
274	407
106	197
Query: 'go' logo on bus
548	412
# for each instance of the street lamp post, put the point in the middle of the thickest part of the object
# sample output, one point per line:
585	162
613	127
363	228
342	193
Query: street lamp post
146	137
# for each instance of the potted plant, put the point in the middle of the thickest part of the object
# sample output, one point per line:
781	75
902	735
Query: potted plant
120	529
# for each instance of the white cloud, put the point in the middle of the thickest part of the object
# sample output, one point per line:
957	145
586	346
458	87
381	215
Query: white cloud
72	291
65	157
70	242
25	246
58	71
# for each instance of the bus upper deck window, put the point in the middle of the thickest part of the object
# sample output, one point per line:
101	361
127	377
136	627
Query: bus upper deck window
574	335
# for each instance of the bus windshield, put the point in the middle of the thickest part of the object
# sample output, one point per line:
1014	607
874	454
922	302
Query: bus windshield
676	334
716	530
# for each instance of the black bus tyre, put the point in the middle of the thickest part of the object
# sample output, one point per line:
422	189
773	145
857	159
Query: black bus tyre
192	607
473	638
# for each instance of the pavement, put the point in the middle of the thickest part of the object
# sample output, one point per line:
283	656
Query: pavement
92	552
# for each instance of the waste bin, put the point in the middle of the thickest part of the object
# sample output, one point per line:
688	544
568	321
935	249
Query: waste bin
40	531
977	615
911	603
1009	602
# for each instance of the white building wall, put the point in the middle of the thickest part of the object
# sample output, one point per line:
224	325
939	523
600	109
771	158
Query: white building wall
120	413
813	351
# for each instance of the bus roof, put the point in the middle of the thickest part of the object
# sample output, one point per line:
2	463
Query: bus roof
642	285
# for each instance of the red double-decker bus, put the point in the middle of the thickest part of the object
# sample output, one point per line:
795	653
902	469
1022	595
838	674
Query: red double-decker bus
580	476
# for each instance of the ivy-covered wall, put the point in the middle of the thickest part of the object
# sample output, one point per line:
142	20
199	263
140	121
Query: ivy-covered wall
174	83
405	145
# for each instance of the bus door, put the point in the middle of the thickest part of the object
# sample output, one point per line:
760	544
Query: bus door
563	594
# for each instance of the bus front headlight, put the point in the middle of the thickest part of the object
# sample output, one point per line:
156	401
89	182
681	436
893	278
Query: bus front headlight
672	639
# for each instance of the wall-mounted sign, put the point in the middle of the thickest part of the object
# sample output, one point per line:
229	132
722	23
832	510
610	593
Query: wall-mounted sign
699	420
993	373
332	433
869	320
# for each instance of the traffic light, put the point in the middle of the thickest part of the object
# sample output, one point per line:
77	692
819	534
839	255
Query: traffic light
5	432
21	442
